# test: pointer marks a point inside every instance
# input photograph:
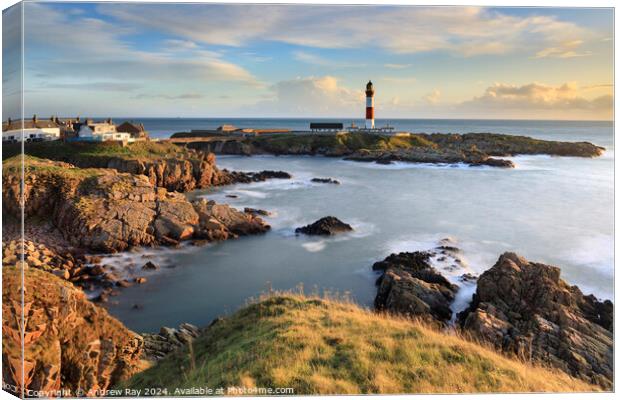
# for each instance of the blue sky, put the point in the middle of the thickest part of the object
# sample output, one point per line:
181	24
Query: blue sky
212	60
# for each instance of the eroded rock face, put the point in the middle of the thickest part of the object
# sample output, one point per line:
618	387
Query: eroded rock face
410	286
221	222
524	308
325	226
69	343
104	210
158	345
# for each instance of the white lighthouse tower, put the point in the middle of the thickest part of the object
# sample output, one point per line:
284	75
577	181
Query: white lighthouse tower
370	106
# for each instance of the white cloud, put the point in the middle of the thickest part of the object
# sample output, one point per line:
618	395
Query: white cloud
90	48
312	96
565	50
538	96
469	31
433	97
397	66
311	58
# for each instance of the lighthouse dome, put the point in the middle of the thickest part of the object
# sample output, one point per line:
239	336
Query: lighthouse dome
369	85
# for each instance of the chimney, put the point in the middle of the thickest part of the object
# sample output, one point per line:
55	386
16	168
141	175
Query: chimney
109	120
34	118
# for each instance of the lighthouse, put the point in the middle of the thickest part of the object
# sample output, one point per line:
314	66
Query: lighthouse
370	106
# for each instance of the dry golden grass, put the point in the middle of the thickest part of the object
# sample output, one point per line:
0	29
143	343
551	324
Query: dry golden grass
326	346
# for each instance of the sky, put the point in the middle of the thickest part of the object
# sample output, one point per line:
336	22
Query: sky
218	60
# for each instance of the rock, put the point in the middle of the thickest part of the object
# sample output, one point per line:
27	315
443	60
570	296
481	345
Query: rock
150	266
70	343
123	283
104	210
63	274
524	308
325	226
494	162
96	270
220	221
325	180
157	346
410	286
256	211
232	196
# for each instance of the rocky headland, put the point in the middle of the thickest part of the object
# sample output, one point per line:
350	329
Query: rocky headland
524	308
473	148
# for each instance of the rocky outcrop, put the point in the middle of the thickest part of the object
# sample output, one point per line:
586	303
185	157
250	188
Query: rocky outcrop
158	345
230	177
221	222
103	210
326	180
472	148
524	308
325	226
69	343
410	286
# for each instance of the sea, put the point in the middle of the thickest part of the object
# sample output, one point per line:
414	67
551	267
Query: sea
554	210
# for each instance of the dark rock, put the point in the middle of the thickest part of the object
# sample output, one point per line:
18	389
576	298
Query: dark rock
325	226
256	211
410	286
232	196
524	308
325	180
150	266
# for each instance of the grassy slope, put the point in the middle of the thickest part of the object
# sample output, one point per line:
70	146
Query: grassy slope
321	346
76	151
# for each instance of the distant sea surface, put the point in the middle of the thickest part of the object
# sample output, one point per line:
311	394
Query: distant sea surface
557	210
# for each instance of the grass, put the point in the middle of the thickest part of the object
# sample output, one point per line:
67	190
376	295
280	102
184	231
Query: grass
35	164
79	152
323	346
349	141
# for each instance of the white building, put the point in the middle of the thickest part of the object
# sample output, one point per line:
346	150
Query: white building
102	132
33	130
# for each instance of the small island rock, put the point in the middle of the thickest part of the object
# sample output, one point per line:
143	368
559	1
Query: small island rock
325	226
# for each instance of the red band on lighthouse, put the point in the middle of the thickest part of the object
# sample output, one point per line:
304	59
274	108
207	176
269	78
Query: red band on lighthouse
370	113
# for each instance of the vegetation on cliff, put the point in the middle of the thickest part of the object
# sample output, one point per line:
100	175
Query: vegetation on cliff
322	346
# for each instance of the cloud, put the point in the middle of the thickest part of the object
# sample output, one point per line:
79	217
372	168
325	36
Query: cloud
311	58
468	31
401	80
565	50
97	86
397	66
313	96
183	96
433	97
538	96
91	48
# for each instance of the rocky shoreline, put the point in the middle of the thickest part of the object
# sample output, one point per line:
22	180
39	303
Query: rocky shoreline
521	308
113	204
474	149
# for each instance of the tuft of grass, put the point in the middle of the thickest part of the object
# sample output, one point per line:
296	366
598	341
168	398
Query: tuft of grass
328	346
